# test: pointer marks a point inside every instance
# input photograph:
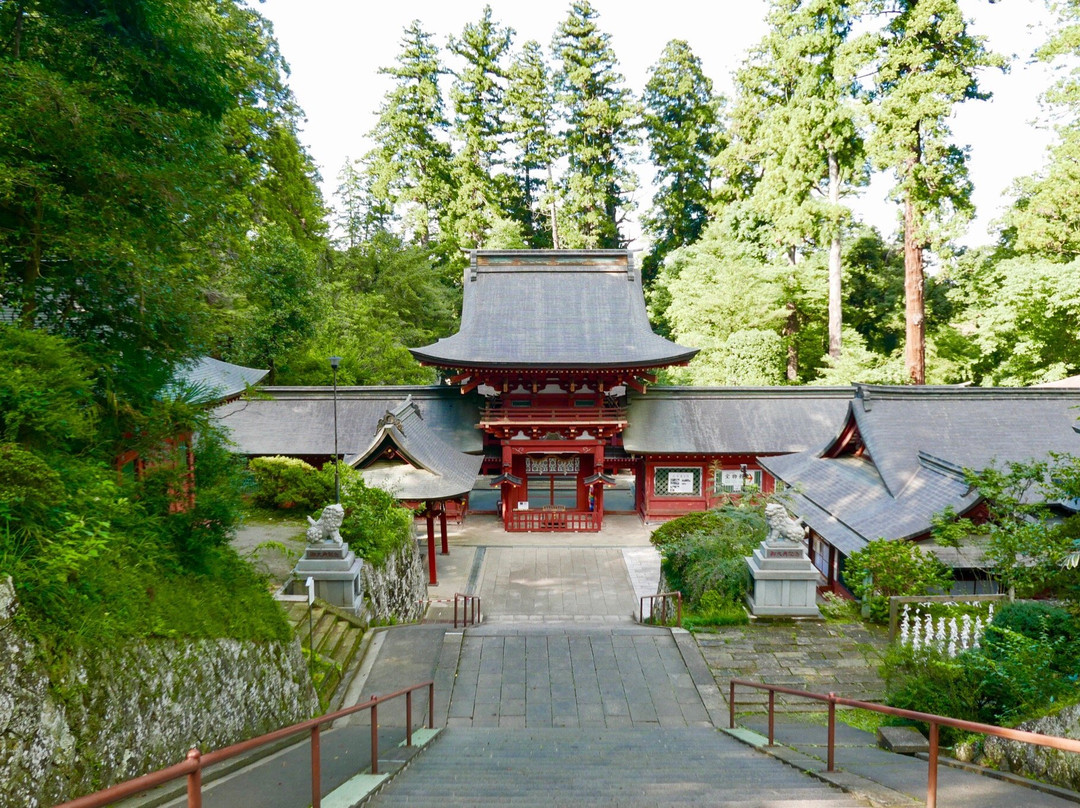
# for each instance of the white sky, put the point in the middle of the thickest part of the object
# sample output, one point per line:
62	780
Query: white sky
335	48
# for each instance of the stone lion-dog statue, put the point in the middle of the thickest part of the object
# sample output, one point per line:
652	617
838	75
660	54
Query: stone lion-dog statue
782	528
327	528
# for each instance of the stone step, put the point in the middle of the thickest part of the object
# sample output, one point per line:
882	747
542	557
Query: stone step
625	767
323	627
333	638
345	648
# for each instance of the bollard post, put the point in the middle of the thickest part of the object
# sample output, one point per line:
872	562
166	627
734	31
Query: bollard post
194	780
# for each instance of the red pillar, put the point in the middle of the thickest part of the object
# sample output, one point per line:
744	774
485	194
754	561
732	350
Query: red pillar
433	576
598	468
442	529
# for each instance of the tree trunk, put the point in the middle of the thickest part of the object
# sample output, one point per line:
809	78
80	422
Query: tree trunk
914	305
835	284
791	328
554	212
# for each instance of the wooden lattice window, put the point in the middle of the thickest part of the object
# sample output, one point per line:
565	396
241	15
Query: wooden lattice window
677	481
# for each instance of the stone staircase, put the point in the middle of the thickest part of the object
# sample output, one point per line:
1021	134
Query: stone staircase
334	636
600	767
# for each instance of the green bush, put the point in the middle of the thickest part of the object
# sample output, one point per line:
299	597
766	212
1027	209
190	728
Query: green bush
716	609
1051	625
705	552
286	482
886	568
375	524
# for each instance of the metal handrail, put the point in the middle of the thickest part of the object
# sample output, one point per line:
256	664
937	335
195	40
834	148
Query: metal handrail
934	721
193	765
664	598
470	609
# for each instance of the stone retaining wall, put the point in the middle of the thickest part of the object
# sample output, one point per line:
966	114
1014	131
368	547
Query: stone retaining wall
112	716
1038	762
395	592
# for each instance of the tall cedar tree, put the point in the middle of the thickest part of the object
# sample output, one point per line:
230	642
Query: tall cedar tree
410	167
684	133
928	63
531	120
478	94
601	116
795	145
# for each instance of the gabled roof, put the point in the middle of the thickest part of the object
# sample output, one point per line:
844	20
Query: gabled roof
734	420
916	442
969	427
299	421
215	380
408	459
553	309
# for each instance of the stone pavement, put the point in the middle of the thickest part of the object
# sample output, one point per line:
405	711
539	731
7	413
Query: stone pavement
807	654
560	698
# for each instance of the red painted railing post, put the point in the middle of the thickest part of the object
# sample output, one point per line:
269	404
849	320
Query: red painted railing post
194	780
455	609
931	781
772	722
431	706
316	769
374	736
832	733
408	718
679	623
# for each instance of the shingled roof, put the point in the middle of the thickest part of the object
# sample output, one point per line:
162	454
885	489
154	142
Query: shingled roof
734	420
555	309
299	421
423	466
916	443
214	380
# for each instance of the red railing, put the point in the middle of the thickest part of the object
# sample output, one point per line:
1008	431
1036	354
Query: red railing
193	765
552	415
664	598
934	721
470	609
548	521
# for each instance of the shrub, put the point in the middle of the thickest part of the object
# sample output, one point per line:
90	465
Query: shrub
286	482
887	568
1056	628
375	524
705	552
716	609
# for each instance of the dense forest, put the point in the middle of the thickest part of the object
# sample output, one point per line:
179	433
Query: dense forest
156	201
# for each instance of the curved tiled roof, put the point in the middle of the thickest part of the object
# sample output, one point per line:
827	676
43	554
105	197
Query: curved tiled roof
553	309
432	469
734	420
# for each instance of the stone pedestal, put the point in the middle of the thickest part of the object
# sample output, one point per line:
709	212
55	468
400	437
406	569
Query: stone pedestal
336	571
785	581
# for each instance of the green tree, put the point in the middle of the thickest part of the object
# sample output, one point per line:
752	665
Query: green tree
411	165
1045	218
795	147
478	97
927	63
887	568
684	133
531	120
275	309
712	290
1021	316
601	117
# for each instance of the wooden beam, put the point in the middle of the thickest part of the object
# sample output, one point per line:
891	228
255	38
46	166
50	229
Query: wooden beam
460	377
472	385
635	385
